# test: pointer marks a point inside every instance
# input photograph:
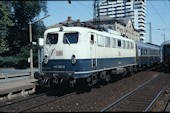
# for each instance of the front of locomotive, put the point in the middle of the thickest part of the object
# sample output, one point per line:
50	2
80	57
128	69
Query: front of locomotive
62	50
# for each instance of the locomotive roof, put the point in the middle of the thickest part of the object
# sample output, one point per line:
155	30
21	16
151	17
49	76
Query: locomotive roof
165	43
85	29
146	45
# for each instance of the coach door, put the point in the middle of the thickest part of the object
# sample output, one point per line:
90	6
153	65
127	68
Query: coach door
93	50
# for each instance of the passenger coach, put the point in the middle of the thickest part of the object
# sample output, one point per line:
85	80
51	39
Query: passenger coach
147	54
165	55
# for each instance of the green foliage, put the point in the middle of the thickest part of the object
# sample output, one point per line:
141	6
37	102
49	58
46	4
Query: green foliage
9	61
5	23
23	57
17	36
23	13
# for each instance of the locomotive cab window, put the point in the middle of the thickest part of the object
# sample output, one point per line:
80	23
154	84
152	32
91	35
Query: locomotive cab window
52	38
114	43
92	39
127	44
100	40
124	44
70	38
107	41
132	46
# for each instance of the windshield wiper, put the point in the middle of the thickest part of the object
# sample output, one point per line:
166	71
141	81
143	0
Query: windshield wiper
67	40
48	40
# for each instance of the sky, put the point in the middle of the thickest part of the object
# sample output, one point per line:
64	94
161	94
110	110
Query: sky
157	13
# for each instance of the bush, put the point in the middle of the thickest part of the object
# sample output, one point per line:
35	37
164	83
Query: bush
9	61
20	60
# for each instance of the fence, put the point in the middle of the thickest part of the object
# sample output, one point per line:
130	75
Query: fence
10	77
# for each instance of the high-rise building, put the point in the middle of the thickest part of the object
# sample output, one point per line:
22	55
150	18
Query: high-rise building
134	9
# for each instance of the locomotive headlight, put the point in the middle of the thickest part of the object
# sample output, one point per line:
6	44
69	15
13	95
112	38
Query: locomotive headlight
73	59
46	59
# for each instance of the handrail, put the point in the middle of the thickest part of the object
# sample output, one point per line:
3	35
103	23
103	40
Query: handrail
6	76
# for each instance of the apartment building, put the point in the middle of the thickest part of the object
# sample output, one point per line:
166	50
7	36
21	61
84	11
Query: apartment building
134	9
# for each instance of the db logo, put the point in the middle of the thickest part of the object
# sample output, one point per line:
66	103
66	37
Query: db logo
59	53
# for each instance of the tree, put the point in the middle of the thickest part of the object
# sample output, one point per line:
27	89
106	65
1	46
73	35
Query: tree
5	23
23	12
18	40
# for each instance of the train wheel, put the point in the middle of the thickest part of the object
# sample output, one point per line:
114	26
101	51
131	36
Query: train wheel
108	78
135	69
165	69
82	85
125	72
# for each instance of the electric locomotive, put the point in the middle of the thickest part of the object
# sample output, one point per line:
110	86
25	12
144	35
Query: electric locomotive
83	55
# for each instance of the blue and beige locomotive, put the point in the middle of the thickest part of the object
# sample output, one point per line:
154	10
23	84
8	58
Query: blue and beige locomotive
83	55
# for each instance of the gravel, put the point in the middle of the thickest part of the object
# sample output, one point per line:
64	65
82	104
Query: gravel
101	96
161	104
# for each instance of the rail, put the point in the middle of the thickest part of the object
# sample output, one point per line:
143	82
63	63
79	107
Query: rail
143	96
125	96
29	104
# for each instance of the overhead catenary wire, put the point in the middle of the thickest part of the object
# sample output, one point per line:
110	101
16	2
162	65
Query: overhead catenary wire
158	14
79	11
87	7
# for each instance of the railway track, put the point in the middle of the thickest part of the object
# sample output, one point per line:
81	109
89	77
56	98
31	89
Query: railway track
35	102
141	98
31	102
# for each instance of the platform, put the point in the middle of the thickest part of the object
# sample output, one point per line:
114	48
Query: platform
15	88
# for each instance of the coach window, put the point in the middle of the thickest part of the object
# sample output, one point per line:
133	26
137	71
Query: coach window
119	43
107	41
70	38
151	52
142	52
139	52
146	52
52	38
